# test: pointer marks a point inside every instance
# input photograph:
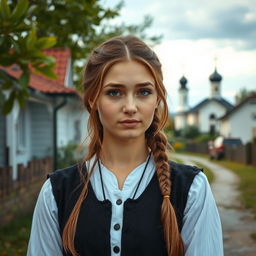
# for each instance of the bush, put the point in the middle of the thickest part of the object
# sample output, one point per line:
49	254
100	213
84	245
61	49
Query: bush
190	132
69	155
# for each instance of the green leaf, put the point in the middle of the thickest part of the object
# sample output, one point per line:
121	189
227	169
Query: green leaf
22	96
46	42
46	70
4	10
24	79
7	83
31	39
8	105
2	99
19	10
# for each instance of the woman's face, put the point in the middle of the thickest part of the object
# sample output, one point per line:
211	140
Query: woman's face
128	100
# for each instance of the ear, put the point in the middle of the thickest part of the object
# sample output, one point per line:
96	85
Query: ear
90	103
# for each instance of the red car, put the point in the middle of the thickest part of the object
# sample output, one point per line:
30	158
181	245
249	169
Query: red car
217	147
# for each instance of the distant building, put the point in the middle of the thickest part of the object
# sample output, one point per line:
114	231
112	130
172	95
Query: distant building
240	122
205	114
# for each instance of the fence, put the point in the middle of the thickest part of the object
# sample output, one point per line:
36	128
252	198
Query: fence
35	171
245	154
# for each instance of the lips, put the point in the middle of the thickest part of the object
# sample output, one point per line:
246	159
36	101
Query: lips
129	123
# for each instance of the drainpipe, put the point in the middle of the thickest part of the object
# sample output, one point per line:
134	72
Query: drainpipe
55	127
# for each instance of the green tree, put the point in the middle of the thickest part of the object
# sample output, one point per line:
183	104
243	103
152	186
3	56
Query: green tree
82	24
20	45
78	25
243	94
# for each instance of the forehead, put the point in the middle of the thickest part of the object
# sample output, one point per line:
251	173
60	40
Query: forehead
128	72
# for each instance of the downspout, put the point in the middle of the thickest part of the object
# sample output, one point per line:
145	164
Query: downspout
55	127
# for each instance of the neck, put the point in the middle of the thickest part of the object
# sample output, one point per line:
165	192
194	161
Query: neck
129	153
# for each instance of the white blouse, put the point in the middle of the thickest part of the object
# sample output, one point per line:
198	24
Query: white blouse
201	232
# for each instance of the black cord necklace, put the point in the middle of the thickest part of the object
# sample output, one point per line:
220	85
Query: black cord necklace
101	179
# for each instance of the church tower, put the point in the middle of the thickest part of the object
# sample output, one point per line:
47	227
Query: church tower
183	95
215	81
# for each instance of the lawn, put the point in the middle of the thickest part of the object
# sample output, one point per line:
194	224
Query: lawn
14	237
247	184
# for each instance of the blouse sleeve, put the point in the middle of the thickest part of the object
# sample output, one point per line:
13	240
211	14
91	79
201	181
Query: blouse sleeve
201	232
45	238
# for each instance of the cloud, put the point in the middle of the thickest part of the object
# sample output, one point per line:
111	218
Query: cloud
197	19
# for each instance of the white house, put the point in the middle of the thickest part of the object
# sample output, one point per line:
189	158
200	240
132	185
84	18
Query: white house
240	121
52	117
206	113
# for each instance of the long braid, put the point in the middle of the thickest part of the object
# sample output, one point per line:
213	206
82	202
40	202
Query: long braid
158	143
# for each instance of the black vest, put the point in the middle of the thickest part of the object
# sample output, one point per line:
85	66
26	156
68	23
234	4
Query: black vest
142	232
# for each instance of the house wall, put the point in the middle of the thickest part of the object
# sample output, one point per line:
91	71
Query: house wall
2	140
242	122
225	128
180	122
72	125
41	131
192	119
205	112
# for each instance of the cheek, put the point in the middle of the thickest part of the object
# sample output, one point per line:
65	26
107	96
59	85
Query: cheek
106	112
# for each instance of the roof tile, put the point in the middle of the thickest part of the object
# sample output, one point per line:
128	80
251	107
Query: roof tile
46	85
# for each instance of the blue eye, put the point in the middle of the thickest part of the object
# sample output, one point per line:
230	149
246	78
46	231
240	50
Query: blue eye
113	93
145	92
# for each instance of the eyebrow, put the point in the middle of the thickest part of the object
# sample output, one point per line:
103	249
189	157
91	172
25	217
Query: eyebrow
118	85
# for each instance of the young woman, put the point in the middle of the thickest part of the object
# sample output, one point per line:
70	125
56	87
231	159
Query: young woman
126	198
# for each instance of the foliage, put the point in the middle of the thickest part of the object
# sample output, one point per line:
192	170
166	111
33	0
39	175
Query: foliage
243	94
79	25
190	132
169	130
82	24
20	45
203	138
179	146
69	155
14	236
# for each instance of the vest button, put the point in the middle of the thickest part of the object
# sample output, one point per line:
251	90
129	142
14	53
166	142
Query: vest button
116	227
116	249
118	201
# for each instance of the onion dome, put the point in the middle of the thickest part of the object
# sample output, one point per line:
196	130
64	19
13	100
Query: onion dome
183	82
215	76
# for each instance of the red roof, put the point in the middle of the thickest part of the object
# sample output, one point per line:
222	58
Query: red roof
47	85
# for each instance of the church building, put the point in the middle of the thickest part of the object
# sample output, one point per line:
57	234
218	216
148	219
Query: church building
205	114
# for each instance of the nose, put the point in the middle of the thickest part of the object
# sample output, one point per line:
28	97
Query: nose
130	106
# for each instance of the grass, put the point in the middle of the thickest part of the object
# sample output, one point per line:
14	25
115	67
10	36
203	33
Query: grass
247	184
14	237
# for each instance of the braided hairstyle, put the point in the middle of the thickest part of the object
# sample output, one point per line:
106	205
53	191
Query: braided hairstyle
118	49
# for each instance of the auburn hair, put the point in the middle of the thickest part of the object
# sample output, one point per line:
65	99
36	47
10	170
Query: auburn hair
118	49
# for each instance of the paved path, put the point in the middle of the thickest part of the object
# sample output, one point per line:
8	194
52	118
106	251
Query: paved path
237	223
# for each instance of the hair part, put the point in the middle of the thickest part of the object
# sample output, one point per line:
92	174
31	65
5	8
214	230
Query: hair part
115	50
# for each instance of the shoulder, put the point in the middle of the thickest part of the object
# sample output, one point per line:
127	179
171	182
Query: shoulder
179	170
64	173
66	181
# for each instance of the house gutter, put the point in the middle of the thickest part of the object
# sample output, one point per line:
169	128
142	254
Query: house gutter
55	127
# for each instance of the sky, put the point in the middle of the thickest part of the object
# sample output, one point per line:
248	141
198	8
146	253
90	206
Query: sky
197	36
